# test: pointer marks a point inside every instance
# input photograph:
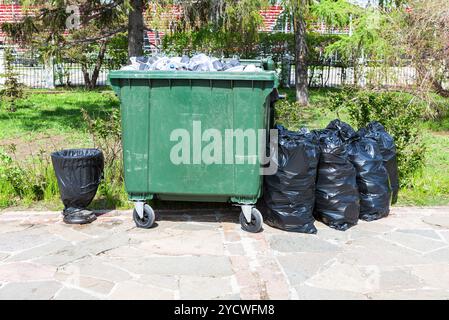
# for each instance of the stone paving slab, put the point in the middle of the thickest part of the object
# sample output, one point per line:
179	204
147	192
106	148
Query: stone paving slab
203	254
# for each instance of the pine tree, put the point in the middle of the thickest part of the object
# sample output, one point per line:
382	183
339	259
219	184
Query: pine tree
12	90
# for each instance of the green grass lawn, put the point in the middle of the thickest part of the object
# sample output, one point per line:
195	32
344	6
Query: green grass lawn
55	117
316	115
54	113
431	186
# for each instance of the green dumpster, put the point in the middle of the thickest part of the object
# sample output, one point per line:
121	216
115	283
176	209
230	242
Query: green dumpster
172	122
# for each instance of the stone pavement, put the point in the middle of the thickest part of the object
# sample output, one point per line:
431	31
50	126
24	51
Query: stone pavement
203	254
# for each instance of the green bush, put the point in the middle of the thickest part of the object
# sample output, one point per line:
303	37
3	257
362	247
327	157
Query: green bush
12	91
288	114
105	131
11	179
218	42
398	113
29	181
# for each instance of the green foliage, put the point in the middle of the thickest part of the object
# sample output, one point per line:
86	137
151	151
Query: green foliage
368	39
398	114
87	41
22	32
11	176
13	90
440	120
117	51
288	114
205	39
317	44
111	192
105	131
392	3
55	113
233	29
276	45
293	116
334	12
212	41
423	34
431	186
27	182
241	23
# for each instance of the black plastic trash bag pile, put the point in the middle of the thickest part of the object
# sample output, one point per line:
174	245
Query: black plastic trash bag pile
372	177
335	175
289	195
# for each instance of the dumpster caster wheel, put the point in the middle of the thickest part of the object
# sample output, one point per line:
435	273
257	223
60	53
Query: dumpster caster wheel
148	218
256	221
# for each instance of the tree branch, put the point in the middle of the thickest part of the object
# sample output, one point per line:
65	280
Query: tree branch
96	39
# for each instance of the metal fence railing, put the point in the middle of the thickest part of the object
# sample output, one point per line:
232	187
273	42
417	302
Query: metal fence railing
31	76
61	74
70	73
320	76
34	74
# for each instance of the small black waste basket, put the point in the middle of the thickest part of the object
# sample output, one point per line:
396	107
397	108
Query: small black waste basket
79	172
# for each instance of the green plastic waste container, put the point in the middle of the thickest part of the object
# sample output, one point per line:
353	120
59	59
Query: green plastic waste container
171	124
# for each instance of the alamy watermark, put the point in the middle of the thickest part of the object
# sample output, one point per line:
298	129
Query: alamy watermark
228	147
73	20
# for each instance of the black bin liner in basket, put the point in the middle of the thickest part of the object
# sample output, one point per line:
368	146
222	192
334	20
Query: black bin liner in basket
79	172
372	177
337	201
289	195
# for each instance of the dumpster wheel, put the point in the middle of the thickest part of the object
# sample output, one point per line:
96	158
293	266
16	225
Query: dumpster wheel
148	218
255	225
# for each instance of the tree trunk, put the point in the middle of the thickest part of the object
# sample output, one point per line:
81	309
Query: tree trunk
425	77
299	24
85	71
98	65
438	87
135	29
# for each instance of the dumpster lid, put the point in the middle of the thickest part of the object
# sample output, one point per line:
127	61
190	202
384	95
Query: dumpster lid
192	75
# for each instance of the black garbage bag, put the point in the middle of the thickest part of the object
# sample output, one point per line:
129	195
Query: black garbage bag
337	201
79	172
343	130
289	195
372	177
385	141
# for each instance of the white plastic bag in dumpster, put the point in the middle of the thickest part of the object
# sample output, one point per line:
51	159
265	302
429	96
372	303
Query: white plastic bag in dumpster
199	62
